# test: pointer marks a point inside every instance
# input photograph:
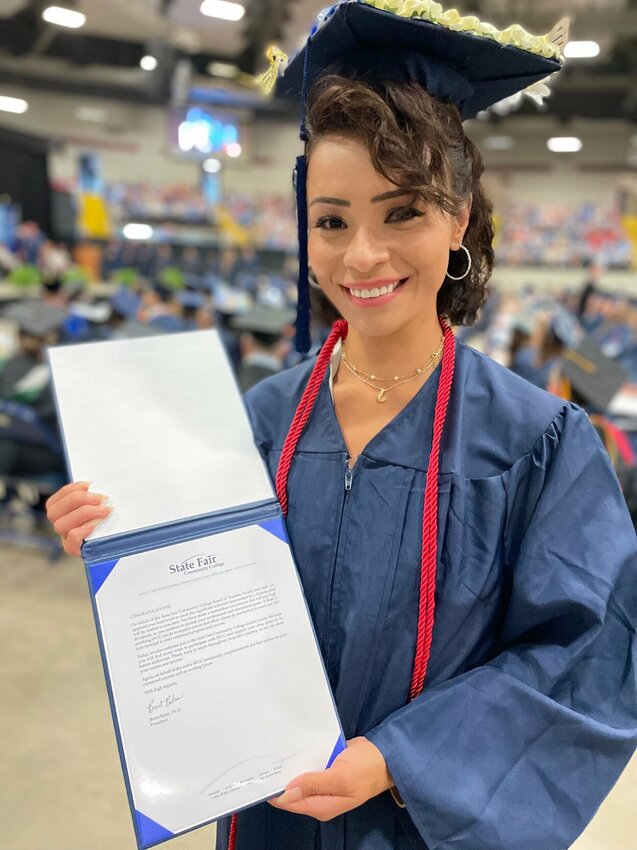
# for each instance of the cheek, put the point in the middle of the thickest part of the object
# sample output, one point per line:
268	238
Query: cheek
321	257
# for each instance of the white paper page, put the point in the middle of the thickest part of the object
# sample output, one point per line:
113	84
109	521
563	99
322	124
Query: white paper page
158	425
216	678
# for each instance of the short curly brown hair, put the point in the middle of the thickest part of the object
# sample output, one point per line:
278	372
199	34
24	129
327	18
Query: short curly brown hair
417	141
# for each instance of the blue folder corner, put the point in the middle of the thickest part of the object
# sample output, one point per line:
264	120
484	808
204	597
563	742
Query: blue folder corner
100	572
275	526
338	749
150	832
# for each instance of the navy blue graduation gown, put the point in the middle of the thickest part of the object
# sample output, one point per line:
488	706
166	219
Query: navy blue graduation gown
528	715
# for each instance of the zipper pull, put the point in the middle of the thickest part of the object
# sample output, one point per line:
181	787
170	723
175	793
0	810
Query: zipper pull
349	474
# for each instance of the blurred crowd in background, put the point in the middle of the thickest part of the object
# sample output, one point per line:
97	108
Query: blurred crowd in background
580	344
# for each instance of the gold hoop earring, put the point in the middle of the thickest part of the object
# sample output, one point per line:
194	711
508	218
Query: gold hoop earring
468	269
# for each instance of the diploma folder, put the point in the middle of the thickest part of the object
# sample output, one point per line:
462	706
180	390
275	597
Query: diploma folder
216	685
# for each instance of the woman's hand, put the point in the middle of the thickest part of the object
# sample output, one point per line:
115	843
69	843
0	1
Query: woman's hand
358	774
74	512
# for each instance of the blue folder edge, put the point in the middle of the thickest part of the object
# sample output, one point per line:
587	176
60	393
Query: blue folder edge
268	517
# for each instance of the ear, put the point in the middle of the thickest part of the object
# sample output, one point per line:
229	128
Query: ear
461	222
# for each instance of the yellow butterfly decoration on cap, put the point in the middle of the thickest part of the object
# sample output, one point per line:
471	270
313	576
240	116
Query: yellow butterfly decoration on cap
278	63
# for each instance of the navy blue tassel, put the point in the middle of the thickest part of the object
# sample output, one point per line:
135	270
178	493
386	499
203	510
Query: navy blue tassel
303	340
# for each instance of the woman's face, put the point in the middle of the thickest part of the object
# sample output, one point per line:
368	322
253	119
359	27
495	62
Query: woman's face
378	256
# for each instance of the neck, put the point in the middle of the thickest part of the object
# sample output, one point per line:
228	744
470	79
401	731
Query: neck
399	353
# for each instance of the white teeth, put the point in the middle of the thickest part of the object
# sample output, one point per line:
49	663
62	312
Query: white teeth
374	293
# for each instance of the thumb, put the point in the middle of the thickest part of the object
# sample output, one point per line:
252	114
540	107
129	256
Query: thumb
321	782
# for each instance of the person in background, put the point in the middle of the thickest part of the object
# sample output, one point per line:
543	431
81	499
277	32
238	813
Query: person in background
29	242
521	336
540	357
25	379
55	260
594	272
164	258
264	341
196	312
190	262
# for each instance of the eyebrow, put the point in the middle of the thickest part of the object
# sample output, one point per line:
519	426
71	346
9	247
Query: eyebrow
341	202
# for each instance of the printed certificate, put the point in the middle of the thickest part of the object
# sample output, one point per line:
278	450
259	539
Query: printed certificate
217	687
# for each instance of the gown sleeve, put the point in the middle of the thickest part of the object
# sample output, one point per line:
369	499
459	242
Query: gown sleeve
517	754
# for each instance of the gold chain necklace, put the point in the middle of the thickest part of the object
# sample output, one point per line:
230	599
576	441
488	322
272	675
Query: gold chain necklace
398	380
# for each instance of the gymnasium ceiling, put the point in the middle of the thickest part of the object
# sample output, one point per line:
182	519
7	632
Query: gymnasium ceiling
102	58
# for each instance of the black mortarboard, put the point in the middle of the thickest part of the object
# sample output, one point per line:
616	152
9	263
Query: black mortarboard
35	318
457	59
594	378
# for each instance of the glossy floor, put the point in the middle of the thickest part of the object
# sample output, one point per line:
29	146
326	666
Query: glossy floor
60	779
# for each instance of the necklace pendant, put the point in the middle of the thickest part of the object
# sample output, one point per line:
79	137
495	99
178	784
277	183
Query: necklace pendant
381	396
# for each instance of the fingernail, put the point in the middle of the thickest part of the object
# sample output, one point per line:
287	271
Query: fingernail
291	796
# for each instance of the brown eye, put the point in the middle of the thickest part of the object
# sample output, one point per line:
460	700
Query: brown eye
403	214
329	222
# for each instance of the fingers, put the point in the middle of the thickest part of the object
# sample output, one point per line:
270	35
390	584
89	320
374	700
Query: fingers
80	517
74	513
68	501
73	542
321	808
64	491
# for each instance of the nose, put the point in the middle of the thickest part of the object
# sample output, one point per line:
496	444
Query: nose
365	251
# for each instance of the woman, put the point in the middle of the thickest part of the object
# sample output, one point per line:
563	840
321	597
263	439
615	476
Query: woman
416	472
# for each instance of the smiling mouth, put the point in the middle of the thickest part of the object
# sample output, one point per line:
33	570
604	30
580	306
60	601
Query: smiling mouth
378	292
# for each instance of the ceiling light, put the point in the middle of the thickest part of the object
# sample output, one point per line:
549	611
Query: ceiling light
63	17
581	49
90	113
222	9
148	63
222	69
564	144
498	143
211	166
13	104
233	149
138	231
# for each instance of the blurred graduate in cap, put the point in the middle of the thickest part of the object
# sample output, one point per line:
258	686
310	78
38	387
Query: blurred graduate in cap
540	358
464	547
264	340
29	439
463	544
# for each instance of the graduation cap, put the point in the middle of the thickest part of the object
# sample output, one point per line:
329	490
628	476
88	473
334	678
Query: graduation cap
231	301
457	59
125	303
593	377
190	300
264	320
566	328
35	318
